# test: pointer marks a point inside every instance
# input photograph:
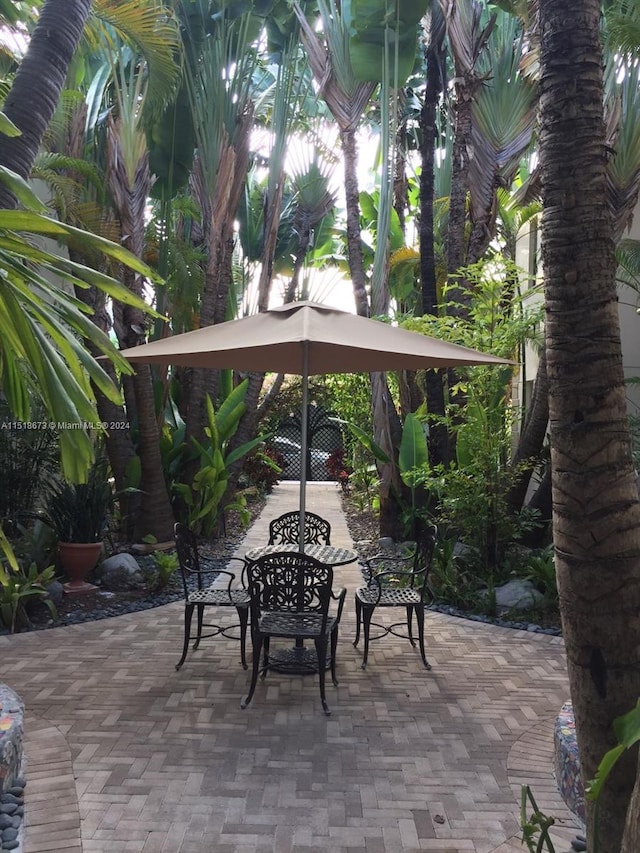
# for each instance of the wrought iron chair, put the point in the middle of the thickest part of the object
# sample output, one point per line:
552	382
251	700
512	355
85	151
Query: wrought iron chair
284	530
396	582
201	581
291	594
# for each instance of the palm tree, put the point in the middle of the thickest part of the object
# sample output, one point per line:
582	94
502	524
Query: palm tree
38	83
129	181
218	72
596	513
468	36
131	35
346	98
502	122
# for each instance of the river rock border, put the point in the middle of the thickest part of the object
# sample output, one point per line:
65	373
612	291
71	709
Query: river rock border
11	762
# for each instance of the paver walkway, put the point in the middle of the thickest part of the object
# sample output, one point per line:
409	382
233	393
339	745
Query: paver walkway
126	754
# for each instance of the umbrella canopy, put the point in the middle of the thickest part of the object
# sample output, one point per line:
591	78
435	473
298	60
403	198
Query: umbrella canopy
331	341
307	339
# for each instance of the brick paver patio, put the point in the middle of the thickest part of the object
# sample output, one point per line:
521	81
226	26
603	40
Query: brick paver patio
126	754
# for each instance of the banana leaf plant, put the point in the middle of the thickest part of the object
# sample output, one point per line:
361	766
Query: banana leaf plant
413	456
203	497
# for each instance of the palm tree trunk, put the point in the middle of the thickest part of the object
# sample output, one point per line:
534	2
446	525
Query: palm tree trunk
434	379
218	214
356	266
118	443
596	513
38	83
456	249
531	439
129	195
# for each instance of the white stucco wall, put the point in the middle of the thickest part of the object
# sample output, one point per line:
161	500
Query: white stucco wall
629	305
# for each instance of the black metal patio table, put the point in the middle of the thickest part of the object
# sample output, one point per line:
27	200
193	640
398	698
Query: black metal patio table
328	554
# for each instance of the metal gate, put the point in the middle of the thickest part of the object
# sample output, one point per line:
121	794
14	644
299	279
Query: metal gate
324	437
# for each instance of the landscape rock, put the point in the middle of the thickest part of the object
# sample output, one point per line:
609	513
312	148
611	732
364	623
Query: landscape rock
120	572
517	595
55	592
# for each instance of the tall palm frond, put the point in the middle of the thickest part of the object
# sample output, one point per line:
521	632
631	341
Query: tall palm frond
67	179
622	28
344	94
313	199
468	32
42	350
628	257
290	86
151	29
513	215
622	106
503	118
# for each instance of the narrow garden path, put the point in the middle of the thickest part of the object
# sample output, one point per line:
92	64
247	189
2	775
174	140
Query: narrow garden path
126	754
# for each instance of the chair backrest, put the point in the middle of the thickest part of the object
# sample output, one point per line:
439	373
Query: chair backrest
285	529
188	557
289	582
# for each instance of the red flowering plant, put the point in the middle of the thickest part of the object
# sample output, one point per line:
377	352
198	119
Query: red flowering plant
262	468
338	469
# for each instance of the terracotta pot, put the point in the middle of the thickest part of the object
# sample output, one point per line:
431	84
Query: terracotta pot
78	559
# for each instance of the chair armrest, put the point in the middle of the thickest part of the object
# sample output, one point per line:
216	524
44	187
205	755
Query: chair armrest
339	596
379	562
418	578
241	571
208	568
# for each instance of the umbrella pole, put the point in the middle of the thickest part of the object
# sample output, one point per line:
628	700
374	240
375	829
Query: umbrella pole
303	442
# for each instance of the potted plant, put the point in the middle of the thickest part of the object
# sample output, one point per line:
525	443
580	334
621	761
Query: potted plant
78	513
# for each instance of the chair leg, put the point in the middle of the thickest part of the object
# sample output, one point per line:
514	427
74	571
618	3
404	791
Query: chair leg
367	613
334	649
188	615
321	652
420	620
410	624
257	648
200	608
265	661
358	620
243	616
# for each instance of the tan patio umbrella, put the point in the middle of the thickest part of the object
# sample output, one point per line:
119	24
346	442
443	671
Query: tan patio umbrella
306	339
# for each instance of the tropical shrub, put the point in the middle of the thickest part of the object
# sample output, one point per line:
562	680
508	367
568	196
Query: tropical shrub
261	469
338	469
203	496
470	494
20	587
165	565
28	458
79	512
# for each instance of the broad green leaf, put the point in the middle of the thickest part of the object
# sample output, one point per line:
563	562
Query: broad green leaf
21	190
627	730
366	440
228	408
243	449
7	550
18	220
8	127
414	452
384	26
